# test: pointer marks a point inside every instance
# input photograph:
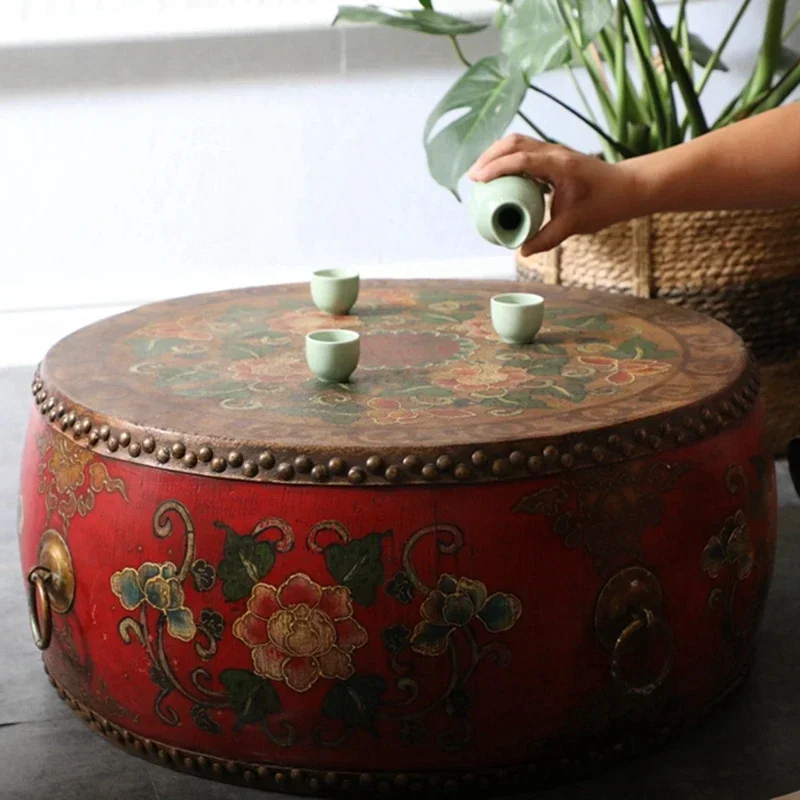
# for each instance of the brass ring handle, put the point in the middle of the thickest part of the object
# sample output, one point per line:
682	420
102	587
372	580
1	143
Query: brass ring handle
38	596
643	620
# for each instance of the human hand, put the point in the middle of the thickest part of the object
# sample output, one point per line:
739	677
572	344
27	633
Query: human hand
589	194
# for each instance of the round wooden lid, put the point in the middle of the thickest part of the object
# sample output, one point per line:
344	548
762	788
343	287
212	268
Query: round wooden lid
218	384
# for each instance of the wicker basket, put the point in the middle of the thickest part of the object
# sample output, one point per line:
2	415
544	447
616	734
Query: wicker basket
742	267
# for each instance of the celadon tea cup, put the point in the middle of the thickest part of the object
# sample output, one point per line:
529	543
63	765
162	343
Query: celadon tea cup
333	355
517	316
508	210
334	291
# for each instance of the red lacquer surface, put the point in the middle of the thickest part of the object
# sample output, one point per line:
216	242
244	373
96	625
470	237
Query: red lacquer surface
513	660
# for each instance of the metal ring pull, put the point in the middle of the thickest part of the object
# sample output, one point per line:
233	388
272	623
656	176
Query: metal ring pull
38	597
644	619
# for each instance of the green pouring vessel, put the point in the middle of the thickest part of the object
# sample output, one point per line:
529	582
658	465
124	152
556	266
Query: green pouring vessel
507	211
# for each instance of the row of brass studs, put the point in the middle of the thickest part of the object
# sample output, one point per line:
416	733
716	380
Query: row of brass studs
655	436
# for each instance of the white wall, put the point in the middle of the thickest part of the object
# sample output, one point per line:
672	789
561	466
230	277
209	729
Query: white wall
131	172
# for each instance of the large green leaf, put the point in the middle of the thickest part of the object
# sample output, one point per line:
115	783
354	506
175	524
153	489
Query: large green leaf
489	94
535	35
701	53
422	20
355	701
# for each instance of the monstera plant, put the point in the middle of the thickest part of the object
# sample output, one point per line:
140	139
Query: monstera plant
648	77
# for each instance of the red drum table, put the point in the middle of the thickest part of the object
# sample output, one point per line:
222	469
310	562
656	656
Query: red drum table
474	565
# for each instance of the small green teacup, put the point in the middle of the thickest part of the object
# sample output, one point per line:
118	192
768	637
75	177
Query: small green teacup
334	291
517	317
333	355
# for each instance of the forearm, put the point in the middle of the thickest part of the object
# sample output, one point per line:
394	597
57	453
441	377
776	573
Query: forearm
752	164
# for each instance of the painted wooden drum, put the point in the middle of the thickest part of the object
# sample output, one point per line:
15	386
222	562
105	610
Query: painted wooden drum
474	565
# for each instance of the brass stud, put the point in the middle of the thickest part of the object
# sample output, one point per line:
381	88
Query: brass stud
688	423
232	767
356	475
303	464
480	459
50	403
451	785
202	762
727	409
627	449
462	472
178	450
94	438
266	460
148	444
517	458
347	784
216	768
412	463
295	774
680	437
64	423
162	455
314	785
429	472
52	415
598	454
567	461
393	473
535	464
614	442
374	464
319	473
112	444
401	780
219	464
86	425
500	467
41	397
105	432
654	442
580	449
205	453
444	463
364	780
550	453
718	419
330	779
701	429
250	469
262	772
124	439
60	409
249	777
188	762
72	418
134	450
285	471
279	778
77	432
666	428
706	414
337	466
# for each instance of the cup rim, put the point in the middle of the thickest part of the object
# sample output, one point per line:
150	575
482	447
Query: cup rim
342	336
527	299
335	273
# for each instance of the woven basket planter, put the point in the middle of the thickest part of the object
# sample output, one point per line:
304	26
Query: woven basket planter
741	267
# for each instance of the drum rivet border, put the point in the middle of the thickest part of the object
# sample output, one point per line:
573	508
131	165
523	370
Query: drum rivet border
599	755
461	464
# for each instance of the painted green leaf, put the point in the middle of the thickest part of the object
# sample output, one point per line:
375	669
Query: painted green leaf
423	20
413	731
593	322
701	53
245	562
488	95
500	612
355	701
358	566
548	366
567	389
639	347
534	32
251	696
203	721
457	703
546	501
396	638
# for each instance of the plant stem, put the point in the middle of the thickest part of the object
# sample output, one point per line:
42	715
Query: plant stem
618	146
770	49
682	78
608	151
460	53
620	76
648	73
635	105
790	30
717	55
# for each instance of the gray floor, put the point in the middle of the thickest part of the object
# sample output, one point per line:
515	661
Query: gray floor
749	750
